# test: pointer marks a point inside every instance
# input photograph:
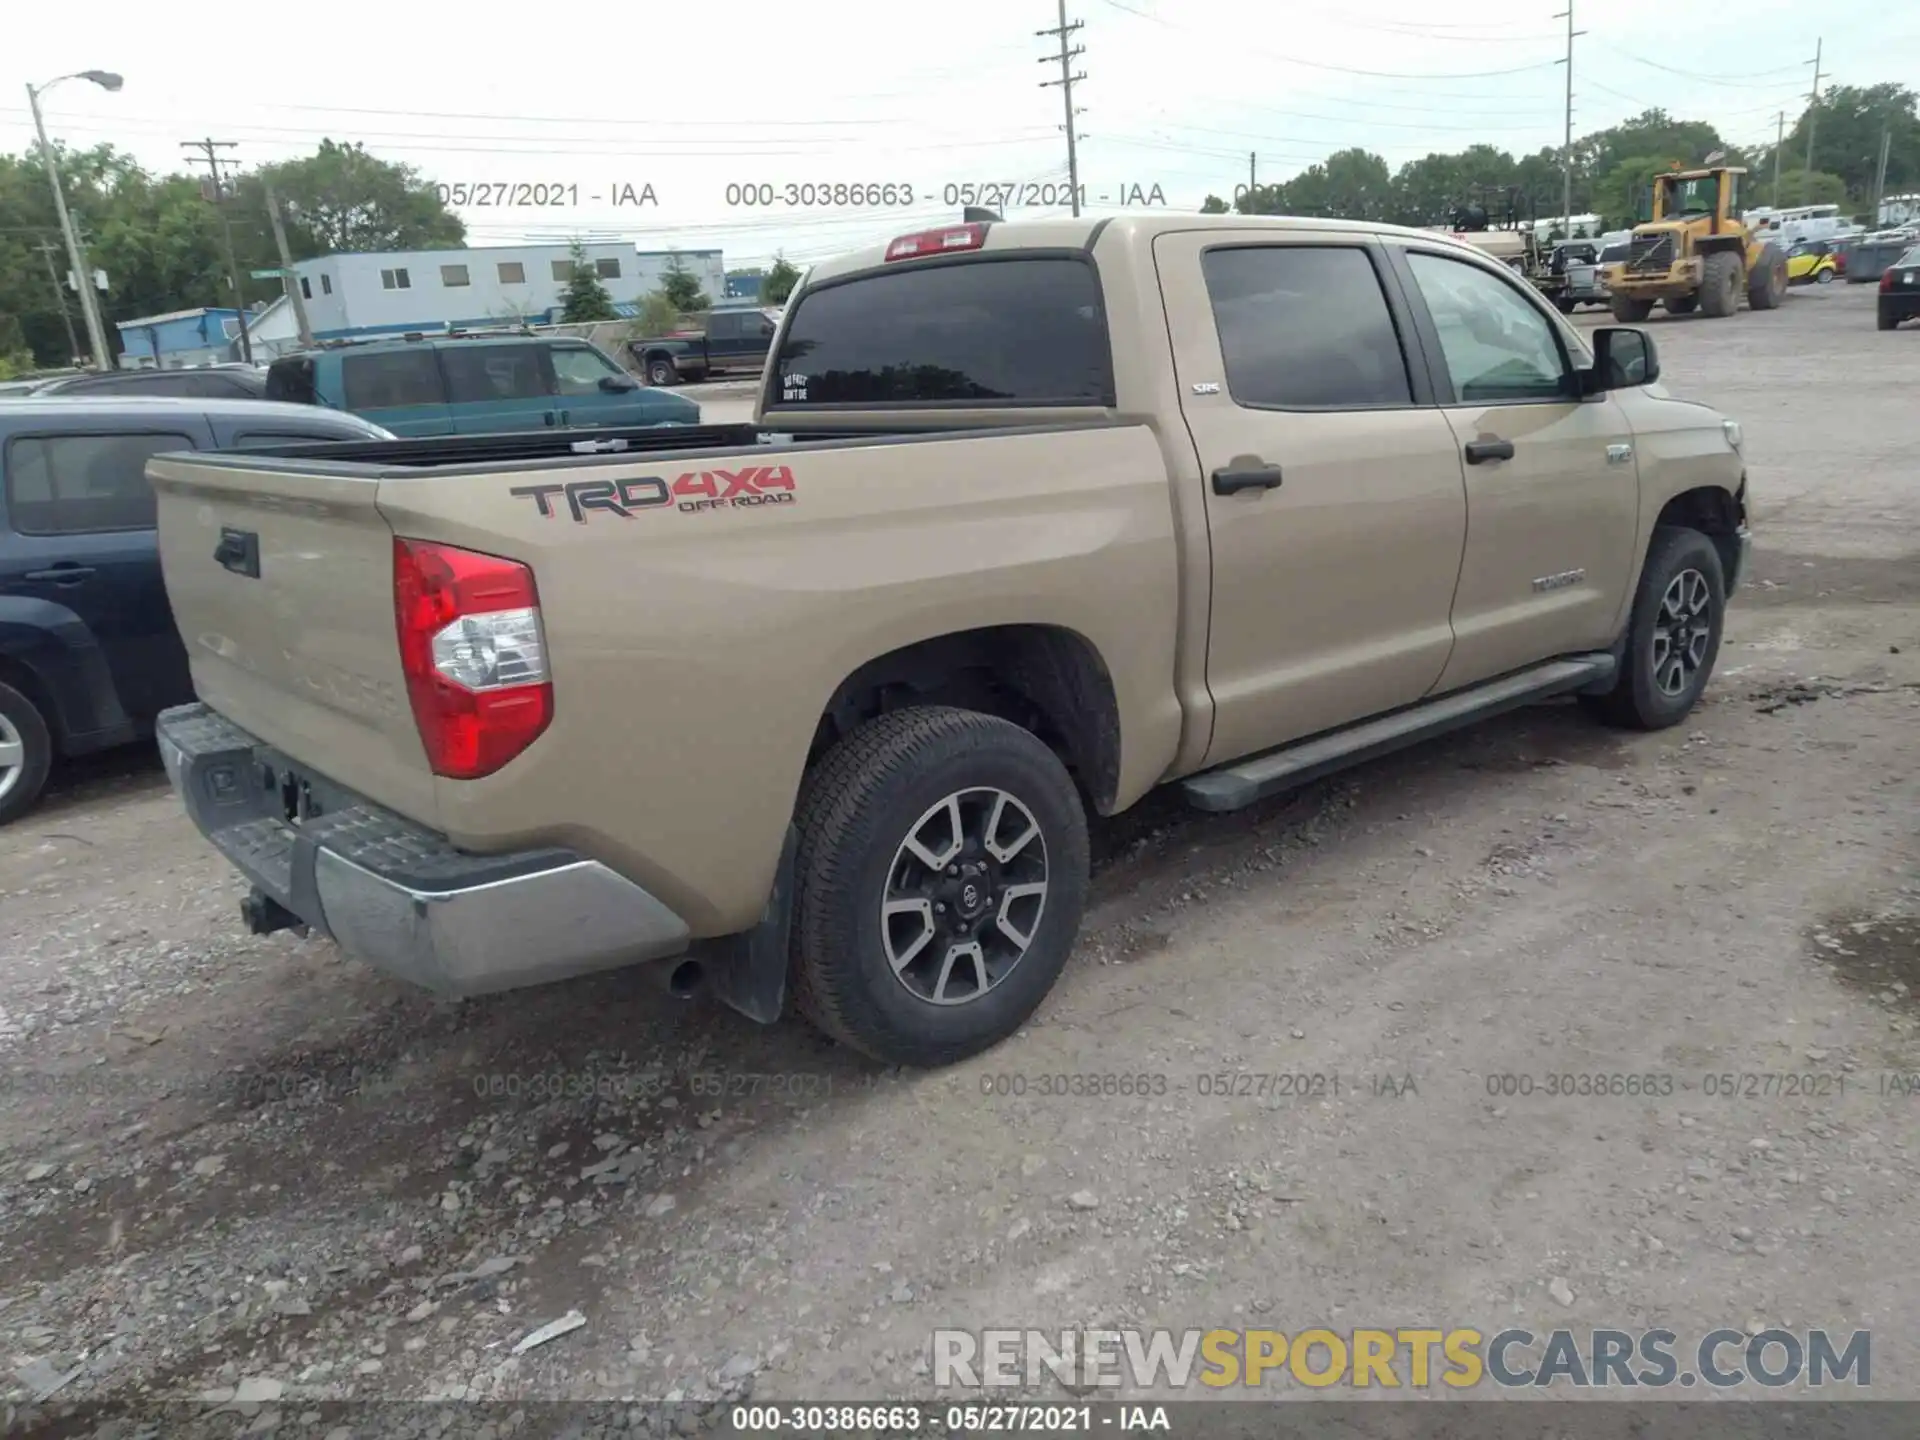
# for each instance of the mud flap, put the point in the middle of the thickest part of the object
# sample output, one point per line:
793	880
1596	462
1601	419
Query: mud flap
748	971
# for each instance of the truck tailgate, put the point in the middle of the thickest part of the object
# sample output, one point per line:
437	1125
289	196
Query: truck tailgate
282	587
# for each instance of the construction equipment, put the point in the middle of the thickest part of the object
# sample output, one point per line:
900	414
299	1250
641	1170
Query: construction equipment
1509	234
1695	252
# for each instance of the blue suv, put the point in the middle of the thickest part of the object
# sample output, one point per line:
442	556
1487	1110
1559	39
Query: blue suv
477	383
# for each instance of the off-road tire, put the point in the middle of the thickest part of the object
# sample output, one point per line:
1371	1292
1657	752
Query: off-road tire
23	783
1767	281
1720	279
857	806
1629	310
1683	304
1565	306
661	371
1636	701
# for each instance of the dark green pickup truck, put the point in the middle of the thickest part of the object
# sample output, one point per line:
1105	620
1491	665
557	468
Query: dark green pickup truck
733	340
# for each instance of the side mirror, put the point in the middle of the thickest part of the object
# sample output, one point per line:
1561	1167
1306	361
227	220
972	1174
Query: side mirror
616	384
1622	360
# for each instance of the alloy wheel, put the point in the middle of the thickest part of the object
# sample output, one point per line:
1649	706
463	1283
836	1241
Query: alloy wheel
13	756
1682	631
964	896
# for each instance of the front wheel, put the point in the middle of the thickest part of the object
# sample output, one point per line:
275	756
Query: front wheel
940	879
661	371
1673	635
1628	310
26	754
1825	277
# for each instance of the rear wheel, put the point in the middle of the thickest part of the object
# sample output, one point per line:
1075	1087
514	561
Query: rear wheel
1888	320
1564	305
940	880
1767	281
1683	304
1720	284
1673	635
26	754
1628	309
1825	277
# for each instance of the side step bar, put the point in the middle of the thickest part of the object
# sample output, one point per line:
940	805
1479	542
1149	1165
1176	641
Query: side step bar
1235	786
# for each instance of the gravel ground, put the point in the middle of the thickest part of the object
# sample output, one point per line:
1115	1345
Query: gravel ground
245	1172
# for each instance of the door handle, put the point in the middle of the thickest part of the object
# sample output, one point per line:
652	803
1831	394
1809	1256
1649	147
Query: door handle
62	574
1481	451
1232	482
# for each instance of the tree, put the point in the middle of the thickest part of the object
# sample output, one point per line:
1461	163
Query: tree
1799	187
682	287
1213	205
1850	122
342	199
780	281
654	315
1622	196
585	297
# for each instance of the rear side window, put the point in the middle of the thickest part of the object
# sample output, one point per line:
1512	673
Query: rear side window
1305	328
292	381
1028	331
68	484
483	373
391	380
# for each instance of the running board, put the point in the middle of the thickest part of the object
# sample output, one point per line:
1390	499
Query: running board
1235	786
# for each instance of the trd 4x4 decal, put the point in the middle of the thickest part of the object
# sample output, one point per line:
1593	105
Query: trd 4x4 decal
694	491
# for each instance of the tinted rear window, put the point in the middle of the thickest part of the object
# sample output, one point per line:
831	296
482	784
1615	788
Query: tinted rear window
481	374
1023	331
390	380
72	484
292	380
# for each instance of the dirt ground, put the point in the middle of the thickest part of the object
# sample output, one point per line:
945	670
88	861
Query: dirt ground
244	1169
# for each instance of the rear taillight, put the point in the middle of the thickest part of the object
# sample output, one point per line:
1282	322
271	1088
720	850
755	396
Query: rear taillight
473	654
1886	278
938	242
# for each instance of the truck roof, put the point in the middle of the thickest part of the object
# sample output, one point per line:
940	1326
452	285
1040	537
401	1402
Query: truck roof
1070	234
159	407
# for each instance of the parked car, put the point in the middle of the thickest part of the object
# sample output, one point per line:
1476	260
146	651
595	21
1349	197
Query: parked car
1033	518
1578	261
89	653
1899	297
207	382
474	383
1812	262
733	340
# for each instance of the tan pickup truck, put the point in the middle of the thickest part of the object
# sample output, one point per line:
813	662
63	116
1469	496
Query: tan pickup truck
1035	517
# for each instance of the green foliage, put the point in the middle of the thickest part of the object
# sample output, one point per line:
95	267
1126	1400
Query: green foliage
780	281
1846	139
14	363
1213	205
585	298
1818	187
159	240
656	315
682	287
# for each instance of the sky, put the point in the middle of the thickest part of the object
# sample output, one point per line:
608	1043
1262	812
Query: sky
709	104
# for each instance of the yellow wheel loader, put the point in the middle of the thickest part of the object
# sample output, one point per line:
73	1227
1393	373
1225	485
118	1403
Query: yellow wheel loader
1694	253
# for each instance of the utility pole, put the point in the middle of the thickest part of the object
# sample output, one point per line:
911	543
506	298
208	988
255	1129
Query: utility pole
1566	153
102	356
1880	172
1066	82
288	280
1253	181
1779	144
60	298
210	148
1813	122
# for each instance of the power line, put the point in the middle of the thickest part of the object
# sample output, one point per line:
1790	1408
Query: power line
1336	69
1742	82
211	149
1068	54
1566	153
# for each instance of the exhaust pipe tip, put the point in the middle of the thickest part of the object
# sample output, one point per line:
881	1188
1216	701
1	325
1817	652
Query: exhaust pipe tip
680	978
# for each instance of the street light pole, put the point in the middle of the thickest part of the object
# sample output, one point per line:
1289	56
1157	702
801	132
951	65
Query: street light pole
76	252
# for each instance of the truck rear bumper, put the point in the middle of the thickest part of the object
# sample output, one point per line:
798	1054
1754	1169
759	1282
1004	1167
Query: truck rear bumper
395	895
